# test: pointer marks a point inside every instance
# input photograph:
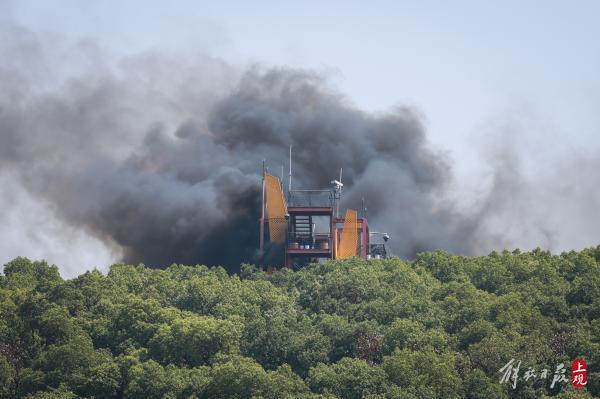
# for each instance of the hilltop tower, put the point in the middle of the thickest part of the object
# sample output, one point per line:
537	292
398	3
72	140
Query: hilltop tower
303	226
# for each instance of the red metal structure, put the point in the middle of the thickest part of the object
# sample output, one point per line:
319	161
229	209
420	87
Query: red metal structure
303	226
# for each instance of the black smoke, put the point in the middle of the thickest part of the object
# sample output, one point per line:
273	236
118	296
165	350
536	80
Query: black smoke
160	156
165	169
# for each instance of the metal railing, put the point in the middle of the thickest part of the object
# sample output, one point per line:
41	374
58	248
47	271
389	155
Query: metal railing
377	251
307	241
310	198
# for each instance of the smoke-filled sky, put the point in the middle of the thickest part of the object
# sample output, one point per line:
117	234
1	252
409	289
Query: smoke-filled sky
136	132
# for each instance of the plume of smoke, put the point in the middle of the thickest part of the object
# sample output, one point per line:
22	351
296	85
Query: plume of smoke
159	157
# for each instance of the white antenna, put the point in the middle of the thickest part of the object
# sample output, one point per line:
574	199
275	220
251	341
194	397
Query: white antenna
290	176
337	192
338	183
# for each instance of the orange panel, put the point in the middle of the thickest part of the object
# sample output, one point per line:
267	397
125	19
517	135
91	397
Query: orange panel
348	246
276	209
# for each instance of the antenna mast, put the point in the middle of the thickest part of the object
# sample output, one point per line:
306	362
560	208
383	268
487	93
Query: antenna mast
337	193
337	211
290	176
262	217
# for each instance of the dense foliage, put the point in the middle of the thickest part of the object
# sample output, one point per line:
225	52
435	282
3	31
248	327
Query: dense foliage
441	326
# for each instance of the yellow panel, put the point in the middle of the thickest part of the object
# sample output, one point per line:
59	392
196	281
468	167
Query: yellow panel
348	246
276	209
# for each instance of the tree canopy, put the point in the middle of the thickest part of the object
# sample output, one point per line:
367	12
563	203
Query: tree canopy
439	326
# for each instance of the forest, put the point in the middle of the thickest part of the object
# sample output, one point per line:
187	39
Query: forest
437	326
